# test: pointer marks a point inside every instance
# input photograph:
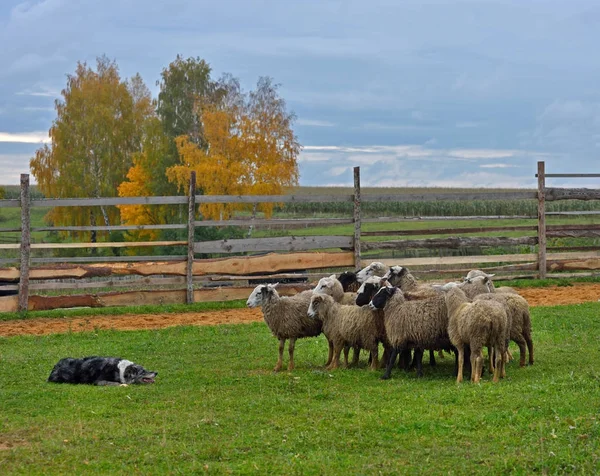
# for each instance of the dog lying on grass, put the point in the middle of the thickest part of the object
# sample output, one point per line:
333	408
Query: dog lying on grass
100	371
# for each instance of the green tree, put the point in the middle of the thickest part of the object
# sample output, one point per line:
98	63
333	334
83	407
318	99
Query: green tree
98	128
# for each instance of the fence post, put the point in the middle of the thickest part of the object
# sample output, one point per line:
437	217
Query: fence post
357	221
25	245
541	176
190	250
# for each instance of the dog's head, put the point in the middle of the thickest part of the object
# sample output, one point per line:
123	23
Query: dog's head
134	373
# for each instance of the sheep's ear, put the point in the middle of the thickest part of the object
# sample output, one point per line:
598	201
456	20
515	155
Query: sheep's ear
333	276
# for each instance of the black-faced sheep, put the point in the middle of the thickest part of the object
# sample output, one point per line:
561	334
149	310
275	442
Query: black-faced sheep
476	324
420	324
286	317
349	281
346	326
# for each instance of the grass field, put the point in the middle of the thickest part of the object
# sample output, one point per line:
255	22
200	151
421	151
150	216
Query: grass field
218	408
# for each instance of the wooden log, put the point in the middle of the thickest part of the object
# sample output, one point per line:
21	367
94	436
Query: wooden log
45	303
189	265
573	234
571	193
455	242
449	231
357	219
458	196
9	303
541	219
284	243
25	244
287	222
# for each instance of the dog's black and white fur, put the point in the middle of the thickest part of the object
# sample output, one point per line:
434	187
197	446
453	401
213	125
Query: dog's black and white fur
100	371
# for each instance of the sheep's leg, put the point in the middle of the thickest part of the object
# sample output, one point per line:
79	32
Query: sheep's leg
509	355
346	352
460	358
291	346
441	354
498	362
388	370
418	361
432	358
520	341
355	356
405	362
335	362
491	358
527	337
375	357
386	356
330	355
477	362
280	360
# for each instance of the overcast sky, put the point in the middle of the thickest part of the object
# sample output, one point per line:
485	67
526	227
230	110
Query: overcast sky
416	92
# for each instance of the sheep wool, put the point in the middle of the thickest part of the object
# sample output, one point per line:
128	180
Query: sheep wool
286	317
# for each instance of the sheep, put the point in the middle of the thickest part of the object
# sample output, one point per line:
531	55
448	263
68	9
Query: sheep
477	272
376	268
421	324
401	277
517	310
345	325
367	290
476	324
349	281
286	317
333	287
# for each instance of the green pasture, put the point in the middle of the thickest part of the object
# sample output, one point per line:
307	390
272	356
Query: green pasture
218	408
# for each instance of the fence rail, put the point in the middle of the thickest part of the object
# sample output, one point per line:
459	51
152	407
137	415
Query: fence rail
299	257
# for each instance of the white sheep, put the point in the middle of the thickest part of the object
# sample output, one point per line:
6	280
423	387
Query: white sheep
476	324
346	326
333	287
376	268
286	317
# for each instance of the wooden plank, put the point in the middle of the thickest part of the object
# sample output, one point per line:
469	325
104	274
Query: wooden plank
108	259
9	303
244	265
107	201
449	231
453	218
12	203
189	265
104	244
273	198
480	259
111	283
458	196
293	222
541	219
575	213
454	242
25	244
572	194
573	175
356	218
109	228
574	234
284	243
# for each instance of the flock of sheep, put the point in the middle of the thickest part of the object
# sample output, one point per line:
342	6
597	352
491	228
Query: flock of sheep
386	305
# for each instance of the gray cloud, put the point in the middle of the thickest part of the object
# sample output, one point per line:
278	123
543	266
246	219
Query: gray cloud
468	82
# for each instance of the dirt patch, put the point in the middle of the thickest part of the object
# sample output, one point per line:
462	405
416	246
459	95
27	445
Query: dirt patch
550	296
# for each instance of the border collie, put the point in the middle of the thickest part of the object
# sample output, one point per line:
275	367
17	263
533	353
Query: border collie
100	371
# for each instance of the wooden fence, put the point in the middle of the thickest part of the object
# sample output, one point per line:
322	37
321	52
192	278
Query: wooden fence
185	278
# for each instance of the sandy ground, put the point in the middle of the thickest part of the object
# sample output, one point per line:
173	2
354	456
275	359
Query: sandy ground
535	296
